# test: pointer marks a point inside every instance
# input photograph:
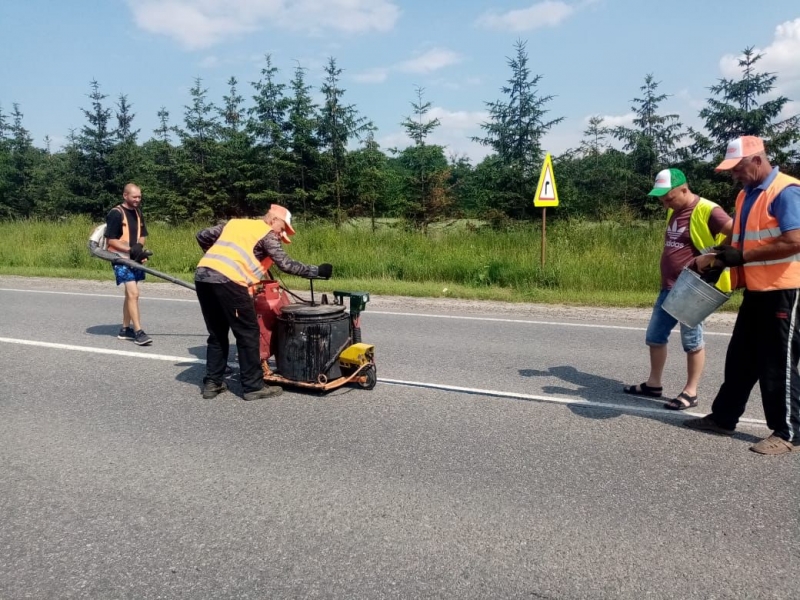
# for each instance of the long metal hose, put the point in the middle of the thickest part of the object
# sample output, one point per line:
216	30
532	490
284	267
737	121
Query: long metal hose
116	259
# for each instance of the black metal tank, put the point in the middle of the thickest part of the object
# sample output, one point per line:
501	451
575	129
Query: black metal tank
308	339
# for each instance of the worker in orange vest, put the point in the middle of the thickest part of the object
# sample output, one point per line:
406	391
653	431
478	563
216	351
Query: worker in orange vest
237	257
764	259
126	233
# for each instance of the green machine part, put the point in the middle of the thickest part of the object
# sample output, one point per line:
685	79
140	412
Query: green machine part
358	300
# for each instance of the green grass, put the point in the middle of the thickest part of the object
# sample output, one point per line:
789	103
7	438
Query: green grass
603	264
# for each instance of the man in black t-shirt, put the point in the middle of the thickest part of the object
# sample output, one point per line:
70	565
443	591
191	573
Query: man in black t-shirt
126	233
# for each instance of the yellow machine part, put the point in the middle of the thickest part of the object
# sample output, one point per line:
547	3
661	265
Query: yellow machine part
357	355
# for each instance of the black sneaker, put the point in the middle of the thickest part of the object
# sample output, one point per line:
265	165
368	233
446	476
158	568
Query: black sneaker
126	333
268	391
142	339
212	390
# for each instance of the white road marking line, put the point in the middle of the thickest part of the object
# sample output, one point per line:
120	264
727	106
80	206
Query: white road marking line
526	322
117	296
417	384
555	400
389	313
166	357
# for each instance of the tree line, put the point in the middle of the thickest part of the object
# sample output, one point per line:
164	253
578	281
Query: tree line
236	157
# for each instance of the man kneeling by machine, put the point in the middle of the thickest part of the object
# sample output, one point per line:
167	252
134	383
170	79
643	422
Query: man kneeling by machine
237	257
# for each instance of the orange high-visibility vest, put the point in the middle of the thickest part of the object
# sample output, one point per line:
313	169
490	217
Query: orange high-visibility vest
126	230
232	254
761	229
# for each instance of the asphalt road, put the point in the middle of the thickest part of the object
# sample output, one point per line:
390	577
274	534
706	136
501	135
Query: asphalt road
496	458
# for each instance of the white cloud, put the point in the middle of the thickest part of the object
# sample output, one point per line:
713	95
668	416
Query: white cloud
424	63
625	120
456	85
454	133
780	57
57	143
459	126
461	120
790	109
203	23
686	96
430	61
210	62
549	13
397	139
376	75
560	139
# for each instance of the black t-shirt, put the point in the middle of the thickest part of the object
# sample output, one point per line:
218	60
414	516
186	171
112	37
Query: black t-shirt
114	225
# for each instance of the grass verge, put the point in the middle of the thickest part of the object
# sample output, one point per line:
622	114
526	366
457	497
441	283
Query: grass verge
588	263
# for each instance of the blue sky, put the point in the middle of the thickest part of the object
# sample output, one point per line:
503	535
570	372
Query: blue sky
592	54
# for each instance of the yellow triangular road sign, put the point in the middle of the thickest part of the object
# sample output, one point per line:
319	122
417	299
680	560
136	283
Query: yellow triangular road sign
546	192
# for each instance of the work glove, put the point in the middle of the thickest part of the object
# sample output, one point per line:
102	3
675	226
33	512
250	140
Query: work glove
324	271
712	274
729	256
139	254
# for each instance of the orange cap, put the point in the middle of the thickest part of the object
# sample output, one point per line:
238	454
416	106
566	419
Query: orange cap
284	215
740	148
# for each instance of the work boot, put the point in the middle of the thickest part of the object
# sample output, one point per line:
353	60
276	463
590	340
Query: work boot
212	389
707	423
268	391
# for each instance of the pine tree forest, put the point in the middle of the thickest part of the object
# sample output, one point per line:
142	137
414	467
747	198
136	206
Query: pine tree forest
268	141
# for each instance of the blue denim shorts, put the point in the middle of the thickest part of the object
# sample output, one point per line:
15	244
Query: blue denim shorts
125	274
662	324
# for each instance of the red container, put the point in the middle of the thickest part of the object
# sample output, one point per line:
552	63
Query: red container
268	301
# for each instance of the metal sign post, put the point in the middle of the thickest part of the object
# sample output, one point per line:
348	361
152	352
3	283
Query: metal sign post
544	232
546	195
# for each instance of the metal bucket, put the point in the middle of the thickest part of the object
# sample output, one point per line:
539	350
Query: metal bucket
691	299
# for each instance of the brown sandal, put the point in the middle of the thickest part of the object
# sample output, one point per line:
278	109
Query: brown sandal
773	445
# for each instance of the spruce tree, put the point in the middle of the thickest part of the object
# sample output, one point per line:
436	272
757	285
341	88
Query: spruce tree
5	167
338	124
427	170
238	170
198	160
744	106
269	127
304	144
125	158
19	199
514	132
95	183
653	140
162	183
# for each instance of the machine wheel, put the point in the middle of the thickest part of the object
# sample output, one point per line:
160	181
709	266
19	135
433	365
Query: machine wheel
371	375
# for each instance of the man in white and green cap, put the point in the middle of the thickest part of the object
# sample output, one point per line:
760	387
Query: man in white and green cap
694	226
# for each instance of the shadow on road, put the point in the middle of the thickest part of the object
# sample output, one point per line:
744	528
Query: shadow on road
109	330
113	330
603	390
194	372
